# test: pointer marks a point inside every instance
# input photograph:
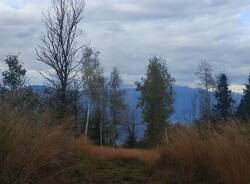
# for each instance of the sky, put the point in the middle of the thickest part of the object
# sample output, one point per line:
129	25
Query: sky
129	32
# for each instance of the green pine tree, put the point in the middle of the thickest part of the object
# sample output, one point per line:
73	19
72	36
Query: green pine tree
156	99
243	111
223	96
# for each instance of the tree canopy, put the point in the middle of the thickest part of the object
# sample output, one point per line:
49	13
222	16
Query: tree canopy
156	99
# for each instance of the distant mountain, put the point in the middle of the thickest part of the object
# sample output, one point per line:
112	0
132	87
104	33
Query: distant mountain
182	103
38	89
184	98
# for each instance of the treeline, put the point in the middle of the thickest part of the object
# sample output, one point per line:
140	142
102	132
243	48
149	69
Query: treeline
78	91
215	100
94	105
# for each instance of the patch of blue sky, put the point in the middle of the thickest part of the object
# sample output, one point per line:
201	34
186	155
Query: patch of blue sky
14	4
245	17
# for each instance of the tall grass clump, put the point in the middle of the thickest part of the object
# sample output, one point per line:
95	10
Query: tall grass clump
218	155
32	153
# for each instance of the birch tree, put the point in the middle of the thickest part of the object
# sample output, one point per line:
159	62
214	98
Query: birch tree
156	100
117	104
91	77
206	84
14	76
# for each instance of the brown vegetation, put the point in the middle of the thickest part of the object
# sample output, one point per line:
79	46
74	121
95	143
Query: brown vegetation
221	155
150	157
32	153
192	155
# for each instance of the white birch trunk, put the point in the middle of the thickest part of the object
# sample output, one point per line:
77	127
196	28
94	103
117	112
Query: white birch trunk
87	121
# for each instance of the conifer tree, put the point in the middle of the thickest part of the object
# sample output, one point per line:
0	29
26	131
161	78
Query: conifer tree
223	106
243	110
156	99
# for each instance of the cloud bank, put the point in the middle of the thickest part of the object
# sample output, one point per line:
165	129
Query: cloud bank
129	32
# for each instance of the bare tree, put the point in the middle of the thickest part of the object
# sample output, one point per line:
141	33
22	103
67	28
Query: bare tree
207	84
59	49
130	127
191	112
194	110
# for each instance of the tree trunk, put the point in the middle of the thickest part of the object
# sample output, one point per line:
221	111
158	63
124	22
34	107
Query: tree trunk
87	121
101	141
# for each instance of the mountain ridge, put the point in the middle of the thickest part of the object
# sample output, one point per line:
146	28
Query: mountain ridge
184	99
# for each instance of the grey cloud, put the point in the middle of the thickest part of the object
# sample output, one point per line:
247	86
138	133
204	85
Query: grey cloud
129	32
162	9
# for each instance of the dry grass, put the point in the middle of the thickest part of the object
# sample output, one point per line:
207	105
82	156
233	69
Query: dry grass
150	157
221	155
33	154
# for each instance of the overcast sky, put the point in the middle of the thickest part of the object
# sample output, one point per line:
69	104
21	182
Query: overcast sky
129	32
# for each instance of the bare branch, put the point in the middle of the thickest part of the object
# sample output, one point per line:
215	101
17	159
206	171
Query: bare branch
59	48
